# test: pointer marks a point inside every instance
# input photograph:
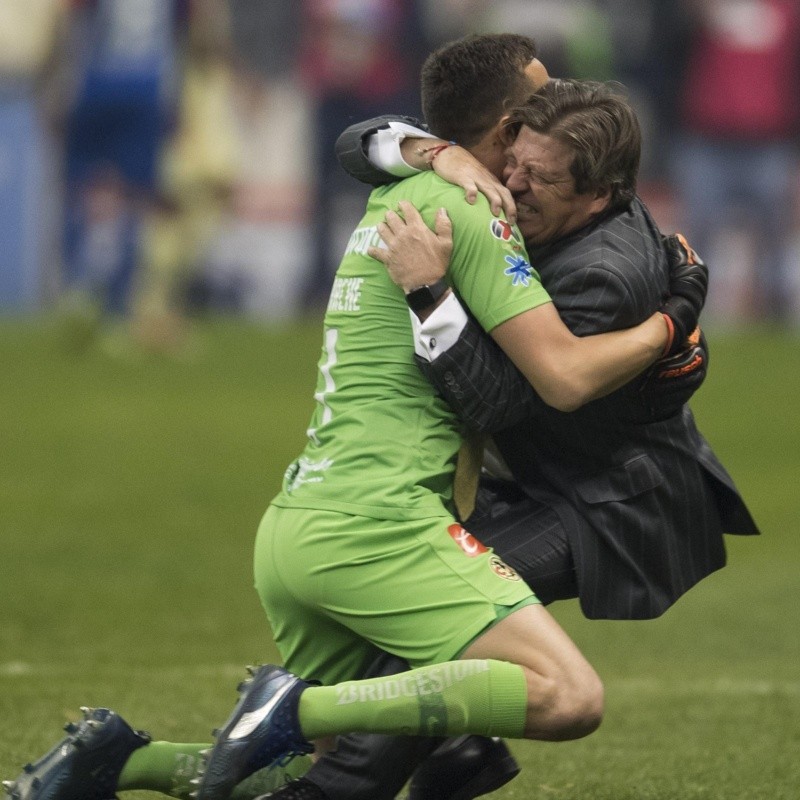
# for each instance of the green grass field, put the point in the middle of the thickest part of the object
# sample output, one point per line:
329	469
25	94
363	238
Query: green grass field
130	490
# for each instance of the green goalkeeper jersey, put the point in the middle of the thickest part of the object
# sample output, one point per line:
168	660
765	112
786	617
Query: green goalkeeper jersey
381	443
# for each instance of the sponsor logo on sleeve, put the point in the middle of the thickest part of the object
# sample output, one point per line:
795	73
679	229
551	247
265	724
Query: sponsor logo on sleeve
519	270
503	231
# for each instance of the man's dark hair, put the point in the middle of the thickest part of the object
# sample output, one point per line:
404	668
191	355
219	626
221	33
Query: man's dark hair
598	124
469	84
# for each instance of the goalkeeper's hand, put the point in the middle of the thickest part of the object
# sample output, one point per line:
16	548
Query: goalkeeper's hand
672	380
688	286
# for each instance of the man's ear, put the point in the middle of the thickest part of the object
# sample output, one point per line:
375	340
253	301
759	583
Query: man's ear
601	200
504	132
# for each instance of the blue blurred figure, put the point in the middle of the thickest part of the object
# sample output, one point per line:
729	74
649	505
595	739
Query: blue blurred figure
125	73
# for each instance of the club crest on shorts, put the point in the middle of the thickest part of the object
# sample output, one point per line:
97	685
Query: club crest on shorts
466	541
499	567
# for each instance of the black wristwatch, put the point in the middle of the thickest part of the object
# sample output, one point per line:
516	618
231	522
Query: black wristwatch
426	296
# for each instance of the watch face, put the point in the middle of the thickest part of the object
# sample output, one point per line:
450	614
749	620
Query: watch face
426	296
420	298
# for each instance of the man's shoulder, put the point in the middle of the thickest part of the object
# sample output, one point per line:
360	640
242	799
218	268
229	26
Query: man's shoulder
628	239
634	227
617	258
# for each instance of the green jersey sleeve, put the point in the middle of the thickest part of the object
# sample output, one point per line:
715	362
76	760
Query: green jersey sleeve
489	267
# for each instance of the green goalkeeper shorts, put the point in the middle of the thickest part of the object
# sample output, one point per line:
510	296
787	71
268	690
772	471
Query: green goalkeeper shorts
337	587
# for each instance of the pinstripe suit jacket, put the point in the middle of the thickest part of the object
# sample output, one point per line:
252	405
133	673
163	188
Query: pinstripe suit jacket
644	500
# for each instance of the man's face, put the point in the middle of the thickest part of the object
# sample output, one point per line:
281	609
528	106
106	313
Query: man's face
537	174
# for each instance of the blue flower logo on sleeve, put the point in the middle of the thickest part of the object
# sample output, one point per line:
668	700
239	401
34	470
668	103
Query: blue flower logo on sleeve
520	270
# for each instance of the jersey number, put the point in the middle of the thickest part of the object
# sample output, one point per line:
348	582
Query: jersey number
328	384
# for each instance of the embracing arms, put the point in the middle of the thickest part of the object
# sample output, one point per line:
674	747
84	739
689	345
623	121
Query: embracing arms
489	393
566	371
484	387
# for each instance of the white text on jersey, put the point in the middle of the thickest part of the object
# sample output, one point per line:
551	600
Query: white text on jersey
345	294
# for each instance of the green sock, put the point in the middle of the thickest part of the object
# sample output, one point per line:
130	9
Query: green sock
470	696
165	767
168	767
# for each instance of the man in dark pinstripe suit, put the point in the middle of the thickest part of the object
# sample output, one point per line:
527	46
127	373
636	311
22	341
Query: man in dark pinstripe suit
621	503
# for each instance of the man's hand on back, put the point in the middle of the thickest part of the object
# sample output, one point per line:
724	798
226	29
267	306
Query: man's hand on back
414	255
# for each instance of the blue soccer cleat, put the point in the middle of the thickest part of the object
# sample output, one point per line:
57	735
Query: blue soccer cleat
86	765
263	730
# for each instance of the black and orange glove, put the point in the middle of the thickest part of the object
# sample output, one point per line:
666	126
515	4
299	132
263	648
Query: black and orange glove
670	383
688	286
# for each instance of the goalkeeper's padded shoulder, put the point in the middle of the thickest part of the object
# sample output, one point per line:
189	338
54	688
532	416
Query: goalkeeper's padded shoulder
351	149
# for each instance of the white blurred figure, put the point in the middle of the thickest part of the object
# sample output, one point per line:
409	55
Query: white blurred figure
264	252
263	255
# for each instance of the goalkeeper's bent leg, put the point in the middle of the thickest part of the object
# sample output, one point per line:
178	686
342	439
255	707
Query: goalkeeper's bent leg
522	678
471	696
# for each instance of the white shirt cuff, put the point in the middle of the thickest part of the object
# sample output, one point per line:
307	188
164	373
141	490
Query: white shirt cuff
440	331
383	149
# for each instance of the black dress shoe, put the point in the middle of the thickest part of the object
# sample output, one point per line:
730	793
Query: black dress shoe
300	789
463	768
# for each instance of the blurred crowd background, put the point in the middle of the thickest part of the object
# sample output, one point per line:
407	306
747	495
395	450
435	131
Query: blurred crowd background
161	158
